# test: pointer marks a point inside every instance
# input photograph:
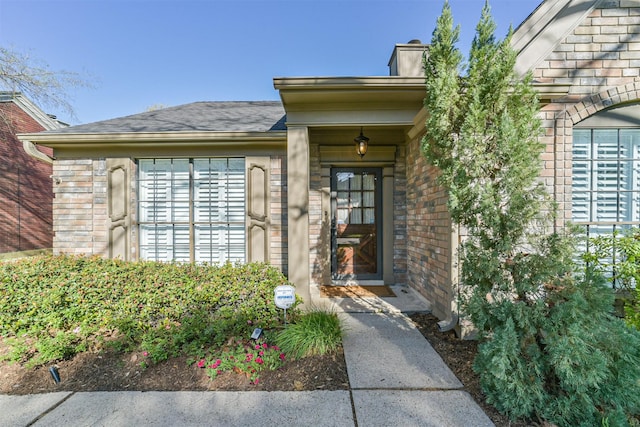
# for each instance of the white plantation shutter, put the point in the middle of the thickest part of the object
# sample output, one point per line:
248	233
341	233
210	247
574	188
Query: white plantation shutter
606	178
630	139
605	146
581	188
192	209
156	210
219	196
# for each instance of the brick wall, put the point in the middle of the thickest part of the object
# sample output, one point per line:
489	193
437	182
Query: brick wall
601	62
278	250
73	206
25	186
319	227
80	211
428	233
400	207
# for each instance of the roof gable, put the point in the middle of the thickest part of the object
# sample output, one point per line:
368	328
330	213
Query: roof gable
545	28
43	119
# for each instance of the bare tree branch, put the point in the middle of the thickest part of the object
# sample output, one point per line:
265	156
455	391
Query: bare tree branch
21	73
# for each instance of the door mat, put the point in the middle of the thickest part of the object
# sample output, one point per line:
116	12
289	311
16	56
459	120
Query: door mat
355	291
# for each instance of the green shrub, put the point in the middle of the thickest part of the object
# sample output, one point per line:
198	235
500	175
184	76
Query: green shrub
313	332
551	349
624	248
52	307
565	360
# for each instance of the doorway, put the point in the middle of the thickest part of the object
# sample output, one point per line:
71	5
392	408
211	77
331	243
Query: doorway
356	224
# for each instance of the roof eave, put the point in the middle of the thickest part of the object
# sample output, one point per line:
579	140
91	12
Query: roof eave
304	93
67	139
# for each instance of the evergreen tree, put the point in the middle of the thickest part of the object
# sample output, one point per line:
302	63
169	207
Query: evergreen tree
550	348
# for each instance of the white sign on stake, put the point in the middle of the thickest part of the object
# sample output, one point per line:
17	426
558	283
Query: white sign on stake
284	296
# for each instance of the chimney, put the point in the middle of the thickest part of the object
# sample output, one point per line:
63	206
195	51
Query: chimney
406	59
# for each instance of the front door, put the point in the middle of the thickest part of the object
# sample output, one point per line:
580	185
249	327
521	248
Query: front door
356	224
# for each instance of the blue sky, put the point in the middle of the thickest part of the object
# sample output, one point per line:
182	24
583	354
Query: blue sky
140	53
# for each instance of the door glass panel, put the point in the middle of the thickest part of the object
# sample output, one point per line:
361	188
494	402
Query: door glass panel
369	216
369	182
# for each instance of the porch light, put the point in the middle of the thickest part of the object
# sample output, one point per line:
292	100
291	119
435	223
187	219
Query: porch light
362	143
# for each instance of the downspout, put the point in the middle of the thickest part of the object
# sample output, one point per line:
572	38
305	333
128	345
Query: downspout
448	324
31	149
451	322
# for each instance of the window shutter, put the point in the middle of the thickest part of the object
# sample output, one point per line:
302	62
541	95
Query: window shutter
581	176
258	220
606	178
118	198
192	209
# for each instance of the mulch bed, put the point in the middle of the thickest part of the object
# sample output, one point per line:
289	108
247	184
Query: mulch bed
108	371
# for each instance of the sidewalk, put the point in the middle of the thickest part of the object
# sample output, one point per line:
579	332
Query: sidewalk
396	378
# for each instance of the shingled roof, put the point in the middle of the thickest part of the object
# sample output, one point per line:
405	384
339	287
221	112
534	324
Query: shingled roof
240	116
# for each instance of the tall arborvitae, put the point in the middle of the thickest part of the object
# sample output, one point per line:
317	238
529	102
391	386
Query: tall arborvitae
550	347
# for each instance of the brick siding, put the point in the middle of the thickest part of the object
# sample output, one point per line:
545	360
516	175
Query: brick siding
400	209
73	206
319	227
601	62
25	186
428	233
278	250
80	211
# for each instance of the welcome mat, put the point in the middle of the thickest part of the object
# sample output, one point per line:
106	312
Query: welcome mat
355	291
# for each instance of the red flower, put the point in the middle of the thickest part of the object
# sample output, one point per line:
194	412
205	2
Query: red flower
282	356
201	363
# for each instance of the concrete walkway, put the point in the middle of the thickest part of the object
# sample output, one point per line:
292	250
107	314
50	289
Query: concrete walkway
396	378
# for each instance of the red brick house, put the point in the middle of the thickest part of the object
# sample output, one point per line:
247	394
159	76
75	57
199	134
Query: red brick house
282	182
26	220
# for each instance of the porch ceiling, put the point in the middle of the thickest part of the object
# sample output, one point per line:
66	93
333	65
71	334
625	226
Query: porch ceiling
343	136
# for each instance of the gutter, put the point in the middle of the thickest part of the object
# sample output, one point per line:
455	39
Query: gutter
31	149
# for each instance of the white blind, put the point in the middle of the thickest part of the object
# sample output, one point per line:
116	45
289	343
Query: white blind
192	209
606	177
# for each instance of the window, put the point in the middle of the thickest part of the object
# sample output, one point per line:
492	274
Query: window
192	209
606	178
